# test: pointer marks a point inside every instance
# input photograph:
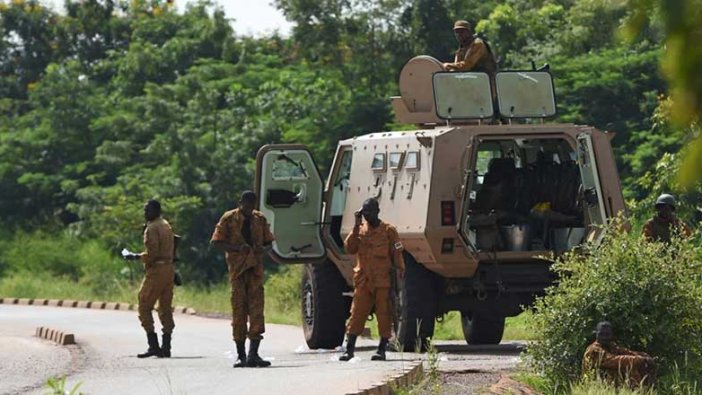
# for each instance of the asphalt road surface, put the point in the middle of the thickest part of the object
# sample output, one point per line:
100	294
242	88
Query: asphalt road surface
104	361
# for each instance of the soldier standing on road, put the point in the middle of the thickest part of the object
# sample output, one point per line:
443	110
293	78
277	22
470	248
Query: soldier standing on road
242	234
158	280
665	223
377	245
617	364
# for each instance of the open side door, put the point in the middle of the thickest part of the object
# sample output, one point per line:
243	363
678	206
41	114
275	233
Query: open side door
593	200
468	164
289	189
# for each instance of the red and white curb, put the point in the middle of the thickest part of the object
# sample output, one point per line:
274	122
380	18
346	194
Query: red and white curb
405	379
85	304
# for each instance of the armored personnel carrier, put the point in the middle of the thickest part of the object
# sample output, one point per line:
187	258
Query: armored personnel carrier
480	192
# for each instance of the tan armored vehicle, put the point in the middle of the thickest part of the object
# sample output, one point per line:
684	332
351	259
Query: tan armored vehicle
477	196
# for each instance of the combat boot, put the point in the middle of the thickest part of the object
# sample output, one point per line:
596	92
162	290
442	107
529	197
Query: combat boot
253	360
165	346
154	350
350	348
241	353
380	354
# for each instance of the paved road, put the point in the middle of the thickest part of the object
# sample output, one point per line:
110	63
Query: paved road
104	362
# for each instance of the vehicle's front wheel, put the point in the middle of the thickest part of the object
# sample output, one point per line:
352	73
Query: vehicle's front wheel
416	311
482	328
324	307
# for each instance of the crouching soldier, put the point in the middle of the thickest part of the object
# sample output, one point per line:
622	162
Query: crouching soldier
617	364
243	234
376	245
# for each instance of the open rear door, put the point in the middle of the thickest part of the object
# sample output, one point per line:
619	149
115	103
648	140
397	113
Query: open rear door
593	200
289	188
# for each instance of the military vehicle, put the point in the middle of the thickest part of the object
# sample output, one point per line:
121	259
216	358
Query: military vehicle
480	192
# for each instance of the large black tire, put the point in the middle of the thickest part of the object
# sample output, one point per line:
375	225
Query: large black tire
414	320
324	307
482	328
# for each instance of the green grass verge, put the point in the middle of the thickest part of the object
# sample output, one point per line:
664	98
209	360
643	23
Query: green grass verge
282	299
516	328
282	290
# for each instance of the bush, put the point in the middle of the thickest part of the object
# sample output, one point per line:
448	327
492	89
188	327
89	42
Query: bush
650	292
57	254
283	295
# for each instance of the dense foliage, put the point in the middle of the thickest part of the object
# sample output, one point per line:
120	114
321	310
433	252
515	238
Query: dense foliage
115	102
650	292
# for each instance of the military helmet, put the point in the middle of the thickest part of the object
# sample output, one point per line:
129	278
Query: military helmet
462	25
666	199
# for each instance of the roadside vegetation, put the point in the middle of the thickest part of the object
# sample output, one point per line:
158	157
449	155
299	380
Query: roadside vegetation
650	292
116	102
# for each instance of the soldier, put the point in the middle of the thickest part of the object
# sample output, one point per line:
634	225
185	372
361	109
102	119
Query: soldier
658	228
243	234
473	53
158	280
377	245
617	364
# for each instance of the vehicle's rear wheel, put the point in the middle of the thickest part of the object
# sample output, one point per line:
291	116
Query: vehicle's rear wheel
482	328
414	318
324	307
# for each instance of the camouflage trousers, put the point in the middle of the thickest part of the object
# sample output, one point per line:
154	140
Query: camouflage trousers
364	299
247	304
634	372
157	287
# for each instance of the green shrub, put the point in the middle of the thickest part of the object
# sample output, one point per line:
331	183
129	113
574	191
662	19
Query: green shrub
60	255
283	295
650	293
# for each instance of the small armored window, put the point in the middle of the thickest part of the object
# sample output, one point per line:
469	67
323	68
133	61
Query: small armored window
286	168
378	162
412	161
396	160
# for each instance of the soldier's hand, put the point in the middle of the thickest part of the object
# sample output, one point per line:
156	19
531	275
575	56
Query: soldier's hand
400	274
359	217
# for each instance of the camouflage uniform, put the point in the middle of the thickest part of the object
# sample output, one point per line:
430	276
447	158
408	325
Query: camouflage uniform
475	57
619	365
245	270
375	248
158	279
659	229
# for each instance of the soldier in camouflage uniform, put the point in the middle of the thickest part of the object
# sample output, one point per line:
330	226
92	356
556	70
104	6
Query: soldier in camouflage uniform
158	280
473	53
665	222
617	364
377	246
242	234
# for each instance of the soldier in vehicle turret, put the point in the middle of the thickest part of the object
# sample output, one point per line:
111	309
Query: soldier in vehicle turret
473	54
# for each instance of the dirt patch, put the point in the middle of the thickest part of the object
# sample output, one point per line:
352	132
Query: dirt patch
468	381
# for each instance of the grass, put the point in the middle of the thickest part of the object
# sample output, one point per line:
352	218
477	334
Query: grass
282	301
685	380
516	328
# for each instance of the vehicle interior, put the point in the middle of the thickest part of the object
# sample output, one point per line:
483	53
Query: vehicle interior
525	196
339	193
